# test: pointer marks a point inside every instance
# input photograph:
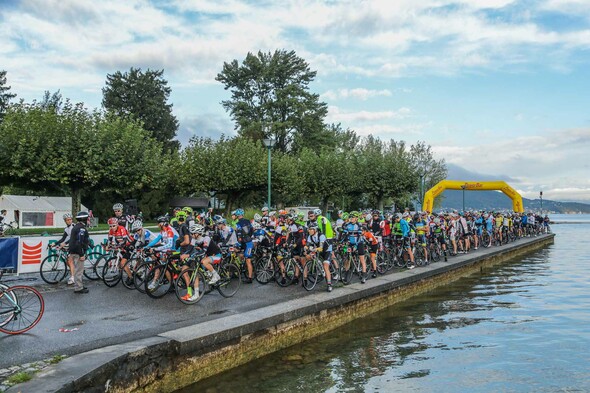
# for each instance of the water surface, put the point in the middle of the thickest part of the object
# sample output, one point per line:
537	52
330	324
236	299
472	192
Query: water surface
521	326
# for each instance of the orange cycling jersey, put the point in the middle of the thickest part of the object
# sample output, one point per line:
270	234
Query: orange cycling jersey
370	238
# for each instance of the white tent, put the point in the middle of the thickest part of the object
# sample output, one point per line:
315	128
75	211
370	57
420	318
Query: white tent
36	211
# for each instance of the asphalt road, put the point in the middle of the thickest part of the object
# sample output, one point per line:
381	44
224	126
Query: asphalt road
108	316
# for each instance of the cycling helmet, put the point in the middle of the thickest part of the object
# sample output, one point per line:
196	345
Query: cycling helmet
272	214
354	214
181	215
162	219
221	221
345	216
292	212
398	216
376	212
257	217
256	226
340	212
265	209
82	216
313	225
217	218
239	212
317	212
113	221
283	212
118	206
67	215
196	229
188	210
301	215
406	214
136	226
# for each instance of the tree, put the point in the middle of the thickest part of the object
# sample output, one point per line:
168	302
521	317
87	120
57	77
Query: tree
428	170
144	96
5	96
77	151
271	97
230	166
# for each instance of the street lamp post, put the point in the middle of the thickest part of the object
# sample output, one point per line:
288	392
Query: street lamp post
463	187
541	197
269	143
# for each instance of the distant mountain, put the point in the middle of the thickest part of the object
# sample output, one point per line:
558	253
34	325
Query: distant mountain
496	200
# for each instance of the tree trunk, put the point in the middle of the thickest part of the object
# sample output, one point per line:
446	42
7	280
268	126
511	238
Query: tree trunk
76	200
228	203
324	206
380	202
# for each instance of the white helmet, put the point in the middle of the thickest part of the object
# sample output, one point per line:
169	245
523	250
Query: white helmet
317	212
265	209
257	217
256	226
67	215
137	225
196	229
118	206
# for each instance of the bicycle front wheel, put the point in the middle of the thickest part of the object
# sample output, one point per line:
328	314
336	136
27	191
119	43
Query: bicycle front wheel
89	265
158	282
111	274
311	274
27	311
182	292
230	280
264	270
53	269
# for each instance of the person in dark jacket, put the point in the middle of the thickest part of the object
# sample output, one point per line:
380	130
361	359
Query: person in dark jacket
79	241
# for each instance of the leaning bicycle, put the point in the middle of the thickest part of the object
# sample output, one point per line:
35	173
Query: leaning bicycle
21	308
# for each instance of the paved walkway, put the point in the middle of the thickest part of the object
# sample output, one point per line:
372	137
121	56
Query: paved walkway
108	316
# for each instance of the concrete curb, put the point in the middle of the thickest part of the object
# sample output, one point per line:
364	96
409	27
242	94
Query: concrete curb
136	365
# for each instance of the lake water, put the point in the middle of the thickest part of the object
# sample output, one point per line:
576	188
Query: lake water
521	326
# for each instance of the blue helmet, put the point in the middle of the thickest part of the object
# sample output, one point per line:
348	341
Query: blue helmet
239	212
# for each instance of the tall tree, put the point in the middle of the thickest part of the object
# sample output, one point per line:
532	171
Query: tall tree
5	95
143	95
77	151
271	97
429	171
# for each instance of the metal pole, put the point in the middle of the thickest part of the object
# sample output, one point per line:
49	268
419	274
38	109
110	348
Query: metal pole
421	189
268	178
463	188
541	196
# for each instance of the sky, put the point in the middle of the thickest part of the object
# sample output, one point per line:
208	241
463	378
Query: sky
497	87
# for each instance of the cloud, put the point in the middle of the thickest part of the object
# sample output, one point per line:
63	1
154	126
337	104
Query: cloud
208	125
336	115
555	162
358	93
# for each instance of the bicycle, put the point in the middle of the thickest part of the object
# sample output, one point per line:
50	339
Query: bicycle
54	267
8	228
21	308
227	286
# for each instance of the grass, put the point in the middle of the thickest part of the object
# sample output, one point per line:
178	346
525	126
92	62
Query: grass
60	230
19	377
56	359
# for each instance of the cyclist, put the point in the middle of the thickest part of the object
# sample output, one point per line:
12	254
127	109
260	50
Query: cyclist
163	242
174	221
318	242
190	219
438	230
353	231
212	255
79	241
63	243
373	244
402	227
244	232
124	220
296	239
325	227
141	235
421	232
119	237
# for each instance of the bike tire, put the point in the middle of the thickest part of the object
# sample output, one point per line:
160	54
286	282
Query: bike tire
181	289
230	280
381	263
289	273
7	301
347	271
164	282
132	263
111	273
310	274
99	265
140	273
31	307
53	269
264	270
90	265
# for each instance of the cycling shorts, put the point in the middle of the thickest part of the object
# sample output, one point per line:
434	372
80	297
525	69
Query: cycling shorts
247	247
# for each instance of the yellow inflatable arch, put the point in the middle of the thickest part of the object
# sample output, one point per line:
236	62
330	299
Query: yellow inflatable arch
472	186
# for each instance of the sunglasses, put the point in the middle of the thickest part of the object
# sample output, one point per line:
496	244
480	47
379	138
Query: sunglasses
113	226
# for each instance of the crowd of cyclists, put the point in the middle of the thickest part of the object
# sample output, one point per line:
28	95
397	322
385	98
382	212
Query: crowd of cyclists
191	253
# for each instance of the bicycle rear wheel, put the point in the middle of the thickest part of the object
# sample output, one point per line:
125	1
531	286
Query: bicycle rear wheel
347	271
89	265
140	274
230	280
128	282
7	302
27	311
381	262
111	274
53	269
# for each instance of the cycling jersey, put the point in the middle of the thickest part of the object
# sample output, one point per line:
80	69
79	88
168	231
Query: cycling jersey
354	232
143	239
385	228
118	236
370	238
209	246
244	230
65	237
166	238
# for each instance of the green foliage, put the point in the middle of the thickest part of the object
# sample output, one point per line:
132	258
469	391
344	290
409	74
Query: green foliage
5	95
77	151
143	96
272	90
19	377
56	359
